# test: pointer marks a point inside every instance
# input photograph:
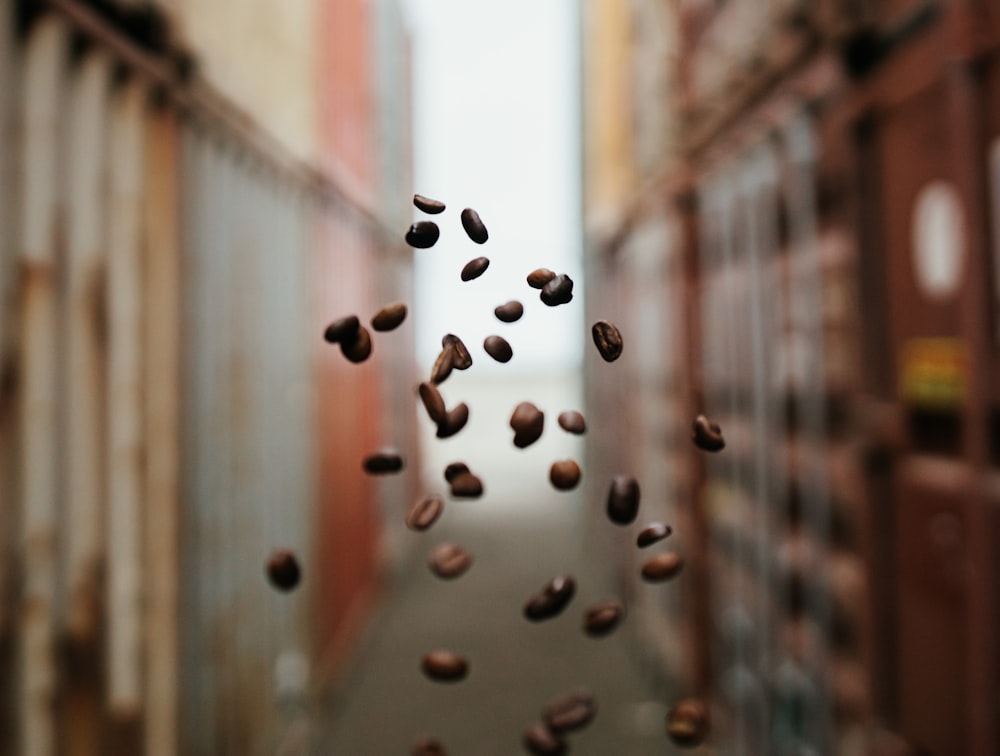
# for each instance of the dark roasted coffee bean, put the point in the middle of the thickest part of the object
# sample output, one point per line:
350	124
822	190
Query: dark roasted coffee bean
498	348
389	317
572	421
652	533
428	205
449	561
433	402
445	666
558	291
527	422
383	462
343	329
424	513
687	723
454	421
443	365
423	234
360	348
623	500
607	339
539	740
538	278
462	360
475	268
473	226
570	712
455	469
552	599
601	619
466	486
428	747
509	312
564	474
707	435
283	570
662	567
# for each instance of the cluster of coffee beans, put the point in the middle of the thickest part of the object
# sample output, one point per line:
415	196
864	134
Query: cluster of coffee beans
687	721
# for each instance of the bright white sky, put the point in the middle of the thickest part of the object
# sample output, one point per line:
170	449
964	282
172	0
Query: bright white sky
496	128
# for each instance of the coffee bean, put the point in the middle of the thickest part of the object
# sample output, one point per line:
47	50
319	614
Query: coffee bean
342	329
509	312
445	666
707	435
462	360
449	561
653	533
527	422
623	500
558	291
475	268
389	317
552	599
358	349
473	226
662	567
423	234
283	570
424	513
538	278
383	462
541	741
466	486
687	723
572	421
433	402
428	205
570	712
428	747
601	619
454	469
607	339
498	348
454	421
564	474
443	365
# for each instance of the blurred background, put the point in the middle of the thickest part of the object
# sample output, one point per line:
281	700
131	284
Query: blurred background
790	208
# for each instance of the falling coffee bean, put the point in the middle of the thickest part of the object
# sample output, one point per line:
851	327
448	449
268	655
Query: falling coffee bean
382	463
428	205
389	317
564	474
433	402
687	723
283	570
498	348
461	359
607	339
538	278
572	421
473	226
454	469
600	619
424	513
652	533
445	666
466	486
539	740
527	422
449	561
558	291
423	234
443	365
707	435
475	268
623	500
662	567
570	712
342	329
359	348
428	747
454	420
509	312
552	599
